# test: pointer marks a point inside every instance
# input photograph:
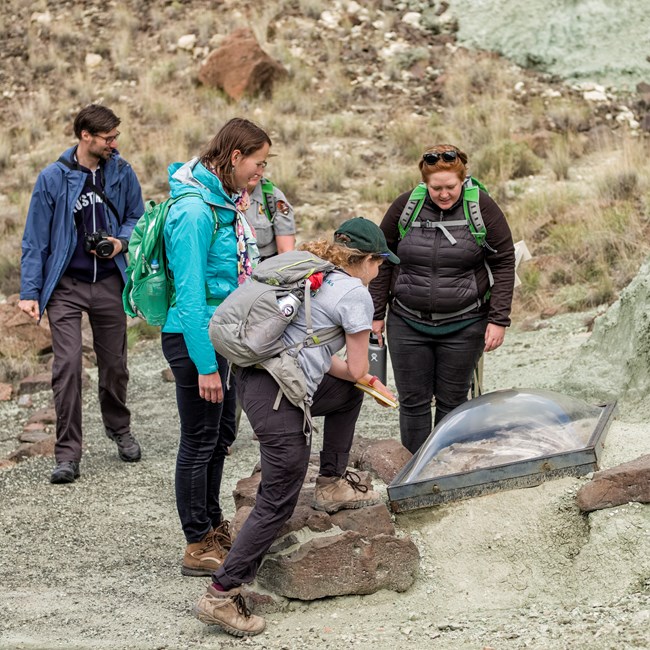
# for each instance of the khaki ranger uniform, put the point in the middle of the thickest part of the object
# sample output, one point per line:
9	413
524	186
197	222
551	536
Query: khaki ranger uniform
266	230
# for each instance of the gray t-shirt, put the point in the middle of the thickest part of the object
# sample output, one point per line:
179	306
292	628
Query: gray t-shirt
342	300
265	231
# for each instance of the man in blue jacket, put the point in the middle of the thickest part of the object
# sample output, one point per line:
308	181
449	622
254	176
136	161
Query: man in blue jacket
82	212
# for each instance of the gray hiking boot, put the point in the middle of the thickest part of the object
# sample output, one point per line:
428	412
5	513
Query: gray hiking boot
229	611
128	448
334	493
66	471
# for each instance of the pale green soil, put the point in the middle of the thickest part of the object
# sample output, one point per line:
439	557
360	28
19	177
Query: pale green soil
96	564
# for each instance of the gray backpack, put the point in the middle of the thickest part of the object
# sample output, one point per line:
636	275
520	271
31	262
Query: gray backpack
247	326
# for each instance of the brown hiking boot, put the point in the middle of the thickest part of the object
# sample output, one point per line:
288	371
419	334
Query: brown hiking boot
334	493
204	557
228	610
222	535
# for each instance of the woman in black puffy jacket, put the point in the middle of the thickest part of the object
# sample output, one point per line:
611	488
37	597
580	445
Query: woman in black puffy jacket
449	299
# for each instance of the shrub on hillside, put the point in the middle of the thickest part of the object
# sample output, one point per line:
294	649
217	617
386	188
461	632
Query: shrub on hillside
505	160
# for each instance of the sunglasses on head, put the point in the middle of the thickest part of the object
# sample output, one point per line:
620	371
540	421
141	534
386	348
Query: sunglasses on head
433	158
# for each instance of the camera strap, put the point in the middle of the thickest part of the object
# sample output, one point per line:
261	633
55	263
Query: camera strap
102	195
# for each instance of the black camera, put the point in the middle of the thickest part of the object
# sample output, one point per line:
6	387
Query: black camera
98	242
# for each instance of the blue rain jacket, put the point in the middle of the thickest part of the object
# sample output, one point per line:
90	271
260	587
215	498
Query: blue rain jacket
50	233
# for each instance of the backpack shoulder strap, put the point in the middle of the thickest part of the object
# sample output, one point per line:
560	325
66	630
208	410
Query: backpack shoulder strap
472	210
475	219
411	209
268	199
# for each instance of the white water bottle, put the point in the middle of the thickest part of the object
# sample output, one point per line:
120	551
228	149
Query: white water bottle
155	267
288	305
377	358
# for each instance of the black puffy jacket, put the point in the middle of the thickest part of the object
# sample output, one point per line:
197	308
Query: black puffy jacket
440	278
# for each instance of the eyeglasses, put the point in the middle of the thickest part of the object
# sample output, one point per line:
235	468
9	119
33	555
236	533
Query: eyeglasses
433	158
108	140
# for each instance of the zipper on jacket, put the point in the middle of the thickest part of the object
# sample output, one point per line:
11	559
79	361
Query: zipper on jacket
94	228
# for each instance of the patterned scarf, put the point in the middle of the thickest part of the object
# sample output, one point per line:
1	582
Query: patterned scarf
248	254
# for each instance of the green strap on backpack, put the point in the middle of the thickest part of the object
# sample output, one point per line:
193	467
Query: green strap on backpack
471	208
268	198
149	290
473	217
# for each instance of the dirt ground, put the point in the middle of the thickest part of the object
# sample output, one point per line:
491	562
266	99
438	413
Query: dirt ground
95	564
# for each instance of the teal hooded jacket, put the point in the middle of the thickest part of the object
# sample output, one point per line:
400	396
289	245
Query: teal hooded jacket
203	263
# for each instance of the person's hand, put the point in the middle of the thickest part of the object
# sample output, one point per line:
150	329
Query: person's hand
378	327
117	248
373	381
210	388
30	307
494	335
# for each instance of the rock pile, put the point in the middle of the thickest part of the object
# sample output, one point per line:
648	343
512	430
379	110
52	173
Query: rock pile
349	552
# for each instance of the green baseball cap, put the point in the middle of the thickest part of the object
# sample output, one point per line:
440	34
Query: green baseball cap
366	236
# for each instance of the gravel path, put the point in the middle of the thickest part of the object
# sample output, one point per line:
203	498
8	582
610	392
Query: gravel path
96	564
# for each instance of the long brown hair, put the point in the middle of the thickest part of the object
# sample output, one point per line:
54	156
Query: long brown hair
240	134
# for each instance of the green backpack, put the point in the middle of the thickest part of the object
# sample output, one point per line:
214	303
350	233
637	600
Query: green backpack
149	290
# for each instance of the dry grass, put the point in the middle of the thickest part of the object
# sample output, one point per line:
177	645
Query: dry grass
586	245
335	141
13	369
387	184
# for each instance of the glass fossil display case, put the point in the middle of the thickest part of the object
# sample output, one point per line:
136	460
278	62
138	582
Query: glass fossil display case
502	440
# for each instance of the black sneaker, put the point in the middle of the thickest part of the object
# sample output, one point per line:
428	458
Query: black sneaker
128	447
65	472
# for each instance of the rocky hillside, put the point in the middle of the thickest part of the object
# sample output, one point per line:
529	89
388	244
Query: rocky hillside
368	85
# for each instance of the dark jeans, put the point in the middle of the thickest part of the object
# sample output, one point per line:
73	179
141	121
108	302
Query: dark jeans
426	366
207	430
284	451
103	303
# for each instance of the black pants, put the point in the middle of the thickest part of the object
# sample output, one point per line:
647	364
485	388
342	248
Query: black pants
207	430
284	451
103	303
426	366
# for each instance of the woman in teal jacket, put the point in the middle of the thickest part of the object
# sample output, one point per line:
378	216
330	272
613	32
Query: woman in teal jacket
210	250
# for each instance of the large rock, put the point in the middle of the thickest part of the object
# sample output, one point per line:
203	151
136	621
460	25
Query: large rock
385	458
369	522
44	447
240	67
617	485
615	360
21	335
357	550
35	383
44	416
336	565
304	516
6	392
